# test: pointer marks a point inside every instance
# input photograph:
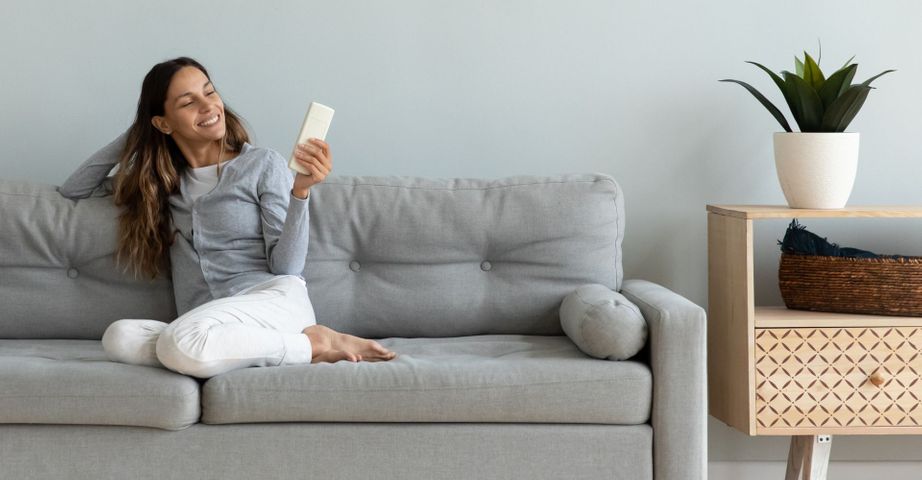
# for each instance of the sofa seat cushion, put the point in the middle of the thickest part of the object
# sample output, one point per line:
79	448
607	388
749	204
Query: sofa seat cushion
485	378
72	382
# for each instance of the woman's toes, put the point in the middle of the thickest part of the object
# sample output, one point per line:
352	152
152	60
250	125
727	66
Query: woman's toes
381	351
382	357
384	352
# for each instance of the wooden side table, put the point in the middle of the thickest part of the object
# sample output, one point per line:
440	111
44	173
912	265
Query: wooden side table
809	375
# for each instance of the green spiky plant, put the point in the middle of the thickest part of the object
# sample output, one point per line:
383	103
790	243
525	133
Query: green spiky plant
818	104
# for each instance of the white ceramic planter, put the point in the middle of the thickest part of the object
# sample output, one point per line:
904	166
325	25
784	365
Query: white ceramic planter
816	170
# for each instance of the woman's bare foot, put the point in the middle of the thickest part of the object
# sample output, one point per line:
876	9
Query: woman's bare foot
369	350
331	346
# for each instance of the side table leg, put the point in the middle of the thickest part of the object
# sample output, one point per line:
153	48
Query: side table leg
809	454
795	458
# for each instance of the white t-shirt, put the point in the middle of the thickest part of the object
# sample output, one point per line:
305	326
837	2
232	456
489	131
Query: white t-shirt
202	180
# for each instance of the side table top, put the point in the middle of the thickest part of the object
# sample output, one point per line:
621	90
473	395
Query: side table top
782	211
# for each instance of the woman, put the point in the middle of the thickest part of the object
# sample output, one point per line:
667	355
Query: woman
229	223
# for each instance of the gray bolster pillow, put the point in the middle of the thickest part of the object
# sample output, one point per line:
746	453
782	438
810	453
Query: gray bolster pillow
603	323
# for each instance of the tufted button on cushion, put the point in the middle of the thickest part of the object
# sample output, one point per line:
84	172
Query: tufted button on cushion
485	266
354	266
72	272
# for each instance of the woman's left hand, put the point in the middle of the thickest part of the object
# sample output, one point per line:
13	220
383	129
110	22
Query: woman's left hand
315	157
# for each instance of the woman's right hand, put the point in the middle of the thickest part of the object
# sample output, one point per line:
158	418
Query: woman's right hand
315	157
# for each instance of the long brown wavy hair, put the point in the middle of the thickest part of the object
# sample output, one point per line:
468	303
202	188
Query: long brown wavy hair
149	172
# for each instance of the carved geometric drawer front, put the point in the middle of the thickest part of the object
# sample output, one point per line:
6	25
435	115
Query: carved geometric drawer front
838	377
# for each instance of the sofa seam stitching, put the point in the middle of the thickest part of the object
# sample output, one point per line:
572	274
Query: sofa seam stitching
466	387
464	188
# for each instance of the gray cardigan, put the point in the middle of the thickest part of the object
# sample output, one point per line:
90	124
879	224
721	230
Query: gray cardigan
248	229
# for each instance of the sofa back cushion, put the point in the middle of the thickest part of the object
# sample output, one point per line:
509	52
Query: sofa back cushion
415	257
58	277
388	256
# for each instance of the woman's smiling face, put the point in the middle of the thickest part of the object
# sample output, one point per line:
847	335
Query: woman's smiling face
193	110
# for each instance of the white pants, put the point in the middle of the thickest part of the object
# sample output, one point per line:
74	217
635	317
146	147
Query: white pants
260	326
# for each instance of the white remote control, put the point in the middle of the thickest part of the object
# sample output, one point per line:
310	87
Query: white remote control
316	123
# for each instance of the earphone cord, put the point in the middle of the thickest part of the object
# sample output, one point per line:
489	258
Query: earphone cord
221	154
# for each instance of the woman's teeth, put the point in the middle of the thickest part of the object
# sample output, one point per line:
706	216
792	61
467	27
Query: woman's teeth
207	123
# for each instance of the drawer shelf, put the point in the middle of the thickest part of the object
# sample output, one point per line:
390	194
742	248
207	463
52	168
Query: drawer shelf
837	379
782	317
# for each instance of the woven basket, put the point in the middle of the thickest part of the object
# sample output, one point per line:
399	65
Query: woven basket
876	286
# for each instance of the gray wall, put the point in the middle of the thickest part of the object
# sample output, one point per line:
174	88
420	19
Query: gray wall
494	88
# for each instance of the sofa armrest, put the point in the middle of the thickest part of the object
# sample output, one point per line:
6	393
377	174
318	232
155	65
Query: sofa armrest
678	349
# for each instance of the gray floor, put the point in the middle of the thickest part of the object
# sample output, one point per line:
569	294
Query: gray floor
837	470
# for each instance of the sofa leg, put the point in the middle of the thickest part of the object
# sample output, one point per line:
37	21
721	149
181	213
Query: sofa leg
809	455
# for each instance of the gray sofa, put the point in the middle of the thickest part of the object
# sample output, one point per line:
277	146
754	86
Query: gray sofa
462	277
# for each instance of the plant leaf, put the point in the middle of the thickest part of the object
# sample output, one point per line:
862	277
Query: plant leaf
798	67
765	103
775	76
836	85
843	109
868	81
847	62
812	73
806	104
779	82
